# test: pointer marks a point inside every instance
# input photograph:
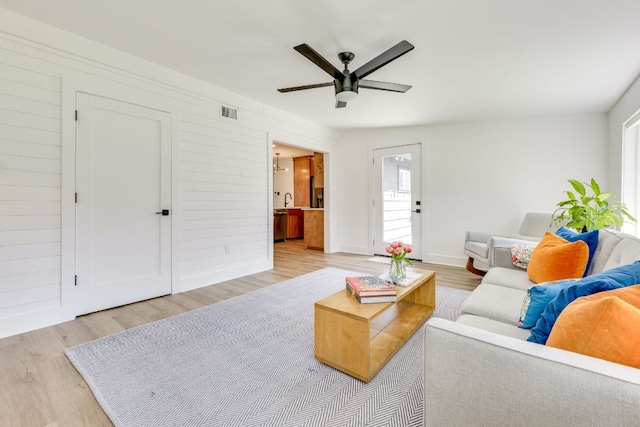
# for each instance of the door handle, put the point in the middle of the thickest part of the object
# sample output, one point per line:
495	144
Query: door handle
163	212
416	211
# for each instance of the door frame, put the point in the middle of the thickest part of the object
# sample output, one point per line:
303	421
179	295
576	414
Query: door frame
92	293
370	210
72	83
275	137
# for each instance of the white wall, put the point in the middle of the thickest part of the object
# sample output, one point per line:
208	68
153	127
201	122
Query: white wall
481	176
222	176
283	183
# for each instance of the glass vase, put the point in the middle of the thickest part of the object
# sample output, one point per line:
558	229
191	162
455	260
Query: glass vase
397	270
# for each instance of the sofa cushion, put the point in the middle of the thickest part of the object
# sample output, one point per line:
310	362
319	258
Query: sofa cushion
626	251
493	326
607	241
508	277
555	259
605	325
495	302
590	238
626	275
537	298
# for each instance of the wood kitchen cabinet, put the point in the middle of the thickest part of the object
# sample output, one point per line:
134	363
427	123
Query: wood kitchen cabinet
302	173
314	229
296	224
318	160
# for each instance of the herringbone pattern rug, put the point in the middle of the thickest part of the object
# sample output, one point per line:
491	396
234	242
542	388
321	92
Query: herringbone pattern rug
248	361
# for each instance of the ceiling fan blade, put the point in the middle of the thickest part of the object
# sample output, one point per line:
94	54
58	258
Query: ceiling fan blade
391	87
383	59
317	59
292	89
340	104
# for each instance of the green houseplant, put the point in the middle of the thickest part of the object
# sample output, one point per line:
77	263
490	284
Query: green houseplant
593	211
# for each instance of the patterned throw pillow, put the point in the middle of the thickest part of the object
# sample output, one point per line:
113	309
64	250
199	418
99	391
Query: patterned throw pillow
520	255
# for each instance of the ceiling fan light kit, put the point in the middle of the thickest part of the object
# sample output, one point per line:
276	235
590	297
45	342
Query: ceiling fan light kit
346	90
347	83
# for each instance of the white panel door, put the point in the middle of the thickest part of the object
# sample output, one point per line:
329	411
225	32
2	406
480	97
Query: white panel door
397	205
123	176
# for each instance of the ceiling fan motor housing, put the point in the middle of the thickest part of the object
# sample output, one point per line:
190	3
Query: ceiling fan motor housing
347	89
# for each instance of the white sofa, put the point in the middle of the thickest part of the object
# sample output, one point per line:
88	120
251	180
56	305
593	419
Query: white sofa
481	371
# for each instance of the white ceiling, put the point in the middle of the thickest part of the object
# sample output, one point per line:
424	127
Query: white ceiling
288	151
474	59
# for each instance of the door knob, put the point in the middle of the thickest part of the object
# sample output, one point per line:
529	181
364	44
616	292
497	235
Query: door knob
163	212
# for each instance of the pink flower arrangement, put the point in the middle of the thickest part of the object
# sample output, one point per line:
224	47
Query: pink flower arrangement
399	251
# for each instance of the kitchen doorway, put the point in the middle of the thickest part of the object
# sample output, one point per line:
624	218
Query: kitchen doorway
298	197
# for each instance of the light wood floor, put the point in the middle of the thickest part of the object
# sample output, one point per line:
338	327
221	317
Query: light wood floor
39	386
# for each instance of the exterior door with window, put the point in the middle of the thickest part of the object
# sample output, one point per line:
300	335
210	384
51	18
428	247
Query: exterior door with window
397	204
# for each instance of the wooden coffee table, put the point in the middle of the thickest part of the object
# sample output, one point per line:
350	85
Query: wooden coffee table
358	339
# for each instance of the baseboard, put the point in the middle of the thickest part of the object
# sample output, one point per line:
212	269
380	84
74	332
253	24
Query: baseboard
195	282
359	250
446	260
30	321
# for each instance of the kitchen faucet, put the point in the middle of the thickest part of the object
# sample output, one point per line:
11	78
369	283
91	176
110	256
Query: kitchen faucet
285	198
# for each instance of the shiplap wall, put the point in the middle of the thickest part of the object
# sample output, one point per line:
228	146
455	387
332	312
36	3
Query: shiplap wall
221	168
30	184
223	193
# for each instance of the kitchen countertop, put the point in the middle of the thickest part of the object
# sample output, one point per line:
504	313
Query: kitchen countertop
303	208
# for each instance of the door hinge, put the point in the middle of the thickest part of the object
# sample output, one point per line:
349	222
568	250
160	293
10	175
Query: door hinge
76	115
76	197
75	282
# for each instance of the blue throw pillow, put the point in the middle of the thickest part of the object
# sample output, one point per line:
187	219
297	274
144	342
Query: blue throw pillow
619	277
537	298
590	238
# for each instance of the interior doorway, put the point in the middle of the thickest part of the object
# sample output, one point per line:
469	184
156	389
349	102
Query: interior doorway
298	187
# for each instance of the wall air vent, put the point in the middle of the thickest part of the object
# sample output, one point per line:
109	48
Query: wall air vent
229	113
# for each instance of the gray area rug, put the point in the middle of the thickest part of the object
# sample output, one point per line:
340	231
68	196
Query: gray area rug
248	361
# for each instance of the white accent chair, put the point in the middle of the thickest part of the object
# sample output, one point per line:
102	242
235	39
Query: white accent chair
487	248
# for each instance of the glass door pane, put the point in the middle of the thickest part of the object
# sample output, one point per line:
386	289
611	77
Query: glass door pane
396	198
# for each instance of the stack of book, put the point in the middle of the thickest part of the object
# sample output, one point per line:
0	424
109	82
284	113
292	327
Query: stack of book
371	289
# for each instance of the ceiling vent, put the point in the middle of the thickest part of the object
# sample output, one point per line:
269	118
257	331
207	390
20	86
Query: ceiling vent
229	113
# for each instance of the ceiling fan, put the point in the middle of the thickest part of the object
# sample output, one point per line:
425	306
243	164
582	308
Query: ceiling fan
347	83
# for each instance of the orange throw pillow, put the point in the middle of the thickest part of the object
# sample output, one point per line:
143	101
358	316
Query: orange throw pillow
605	325
555	258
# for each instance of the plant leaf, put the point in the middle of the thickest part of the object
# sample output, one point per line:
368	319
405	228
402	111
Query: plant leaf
577	185
590	212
